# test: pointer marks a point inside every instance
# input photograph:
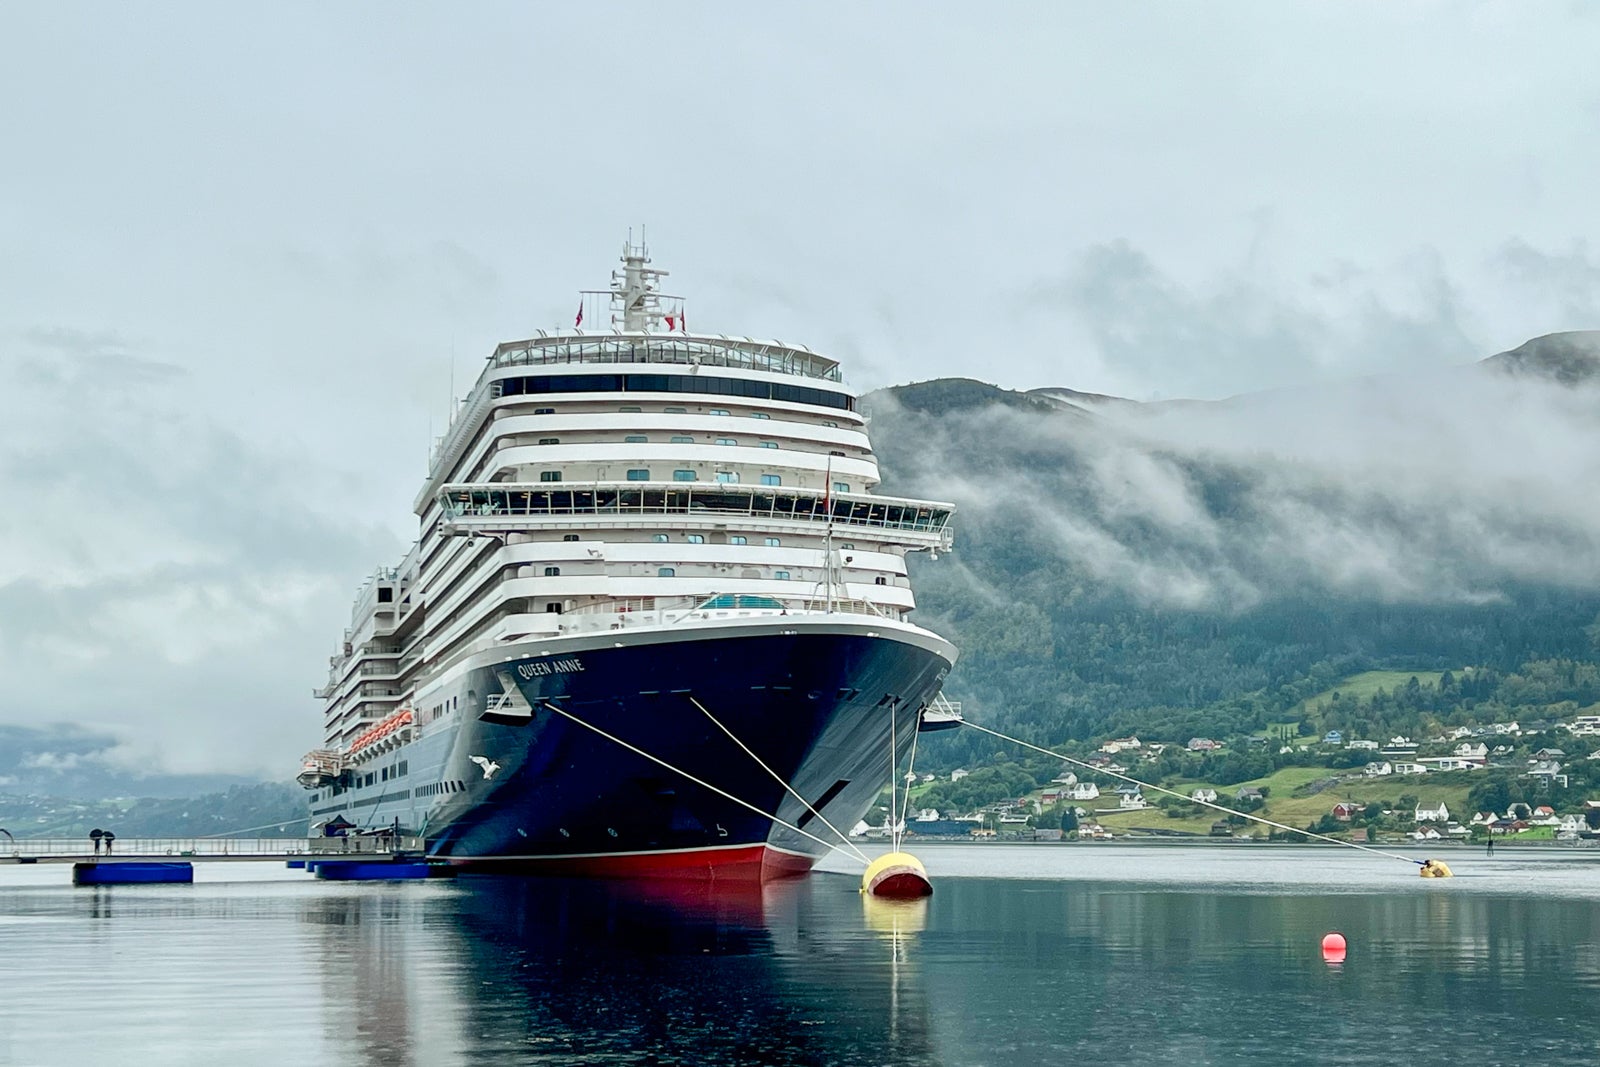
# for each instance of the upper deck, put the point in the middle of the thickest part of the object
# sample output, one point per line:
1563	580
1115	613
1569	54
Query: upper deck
692	350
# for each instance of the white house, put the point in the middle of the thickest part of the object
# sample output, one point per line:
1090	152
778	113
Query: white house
1438	814
1378	770
958	774
1473	750
1084	791
1360	743
1585	725
1410	768
1425	833
1132	801
1205	796
1452	763
1065	779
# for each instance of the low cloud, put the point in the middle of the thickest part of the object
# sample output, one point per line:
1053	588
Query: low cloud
1247	329
1449	487
164	581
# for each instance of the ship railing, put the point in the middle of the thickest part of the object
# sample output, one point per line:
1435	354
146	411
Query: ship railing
692	351
481	507
595	619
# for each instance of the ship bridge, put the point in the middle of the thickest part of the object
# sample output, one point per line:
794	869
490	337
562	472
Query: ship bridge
509	507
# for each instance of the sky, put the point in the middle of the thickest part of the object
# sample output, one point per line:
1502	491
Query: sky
247	258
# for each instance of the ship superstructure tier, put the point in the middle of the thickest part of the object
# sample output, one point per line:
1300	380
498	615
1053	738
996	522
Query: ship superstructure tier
641	485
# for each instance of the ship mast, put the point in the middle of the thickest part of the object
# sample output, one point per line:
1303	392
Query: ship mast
635	293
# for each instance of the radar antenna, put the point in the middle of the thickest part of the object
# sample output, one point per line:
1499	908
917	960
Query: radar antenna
637	304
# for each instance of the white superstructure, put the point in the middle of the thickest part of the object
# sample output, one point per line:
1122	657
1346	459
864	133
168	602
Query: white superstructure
622	482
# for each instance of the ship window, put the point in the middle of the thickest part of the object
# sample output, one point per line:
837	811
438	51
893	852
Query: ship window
847	544
841	487
549	476
727	476
675	411
771	542
637	439
703	384
695	539
569	537
769	444
771	479
835	425
549	440
880	580
759	415
737	539
659	537
682	440
385	595
683	476
726	441
544	411
626	410
719	411
835	452
782	576
552	572
552	607
404	767
666	572
638	474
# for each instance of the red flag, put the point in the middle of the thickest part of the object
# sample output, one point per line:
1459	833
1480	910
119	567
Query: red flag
671	323
579	321
683	320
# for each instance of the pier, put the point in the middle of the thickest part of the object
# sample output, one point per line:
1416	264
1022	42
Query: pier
207	849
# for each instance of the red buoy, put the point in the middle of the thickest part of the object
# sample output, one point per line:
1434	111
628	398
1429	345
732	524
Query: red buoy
1333	947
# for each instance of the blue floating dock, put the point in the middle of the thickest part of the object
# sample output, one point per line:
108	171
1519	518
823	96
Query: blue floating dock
370	872
131	873
295	865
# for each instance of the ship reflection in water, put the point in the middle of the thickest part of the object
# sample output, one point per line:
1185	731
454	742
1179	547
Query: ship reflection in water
572	971
1138	956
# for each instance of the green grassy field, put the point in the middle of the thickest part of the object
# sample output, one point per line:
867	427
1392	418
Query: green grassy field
1363	686
1295	811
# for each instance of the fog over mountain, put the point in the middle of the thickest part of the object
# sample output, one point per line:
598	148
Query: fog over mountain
1425	487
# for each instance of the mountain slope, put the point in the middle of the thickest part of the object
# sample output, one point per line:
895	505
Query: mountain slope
1204	567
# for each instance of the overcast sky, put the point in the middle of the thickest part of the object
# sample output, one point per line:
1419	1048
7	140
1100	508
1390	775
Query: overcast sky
244	258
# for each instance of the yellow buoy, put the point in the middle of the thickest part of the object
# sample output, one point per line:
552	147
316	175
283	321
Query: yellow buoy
896	874
1435	869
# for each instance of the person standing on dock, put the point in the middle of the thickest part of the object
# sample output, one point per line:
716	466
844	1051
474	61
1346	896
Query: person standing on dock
108	837
1490	849
94	838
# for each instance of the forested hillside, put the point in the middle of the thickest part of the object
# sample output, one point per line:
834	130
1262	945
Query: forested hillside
1184	568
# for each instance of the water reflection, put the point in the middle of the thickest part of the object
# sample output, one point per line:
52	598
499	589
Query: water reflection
786	973
987	971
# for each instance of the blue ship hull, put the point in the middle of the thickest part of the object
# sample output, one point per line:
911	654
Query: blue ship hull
545	792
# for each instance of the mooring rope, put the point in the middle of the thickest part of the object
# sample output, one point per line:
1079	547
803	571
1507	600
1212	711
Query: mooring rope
851	845
636	750
1174	793
911	770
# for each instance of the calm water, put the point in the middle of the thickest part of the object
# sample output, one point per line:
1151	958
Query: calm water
1025	955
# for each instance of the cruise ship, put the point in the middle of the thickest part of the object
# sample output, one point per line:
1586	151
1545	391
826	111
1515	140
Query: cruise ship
656	622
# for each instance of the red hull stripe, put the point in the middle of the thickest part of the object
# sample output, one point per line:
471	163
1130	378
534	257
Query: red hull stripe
744	863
